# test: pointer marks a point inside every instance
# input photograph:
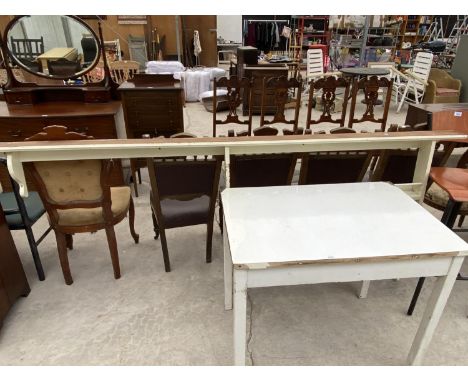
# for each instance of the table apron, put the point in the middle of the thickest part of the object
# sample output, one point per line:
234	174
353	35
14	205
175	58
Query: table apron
347	272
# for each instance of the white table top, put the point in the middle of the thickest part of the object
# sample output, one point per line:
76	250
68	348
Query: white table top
279	226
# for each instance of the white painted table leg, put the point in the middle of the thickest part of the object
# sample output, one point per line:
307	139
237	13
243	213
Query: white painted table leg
240	316
434	309
364	289
227	270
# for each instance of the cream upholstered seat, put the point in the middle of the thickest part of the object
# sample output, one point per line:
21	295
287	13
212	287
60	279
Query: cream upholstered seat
78	197
120	197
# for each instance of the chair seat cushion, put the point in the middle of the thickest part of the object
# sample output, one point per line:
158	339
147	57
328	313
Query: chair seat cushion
185	210
446	91
120	197
33	204
436	195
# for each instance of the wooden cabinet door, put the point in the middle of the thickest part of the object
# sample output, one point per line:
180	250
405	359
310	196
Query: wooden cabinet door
206	27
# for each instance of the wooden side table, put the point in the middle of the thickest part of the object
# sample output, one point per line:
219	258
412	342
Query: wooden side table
13	282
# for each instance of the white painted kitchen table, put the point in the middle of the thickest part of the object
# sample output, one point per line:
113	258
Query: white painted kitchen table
334	233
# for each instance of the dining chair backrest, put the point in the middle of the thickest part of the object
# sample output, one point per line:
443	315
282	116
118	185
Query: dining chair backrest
370	86
282	88
122	71
237	89
334	167
328	87
262	170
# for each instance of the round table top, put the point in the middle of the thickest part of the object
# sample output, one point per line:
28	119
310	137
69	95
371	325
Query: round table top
365	71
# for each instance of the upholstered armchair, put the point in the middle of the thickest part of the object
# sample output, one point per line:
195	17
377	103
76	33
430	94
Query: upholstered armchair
442	88
78	198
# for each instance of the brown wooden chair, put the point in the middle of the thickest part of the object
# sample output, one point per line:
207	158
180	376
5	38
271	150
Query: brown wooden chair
63	67
122	71
183	193
370	86
281	89
334	167
328	87
78	198
237	88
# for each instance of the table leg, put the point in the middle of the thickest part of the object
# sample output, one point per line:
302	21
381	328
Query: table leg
227	270
240	316
434	309
364	289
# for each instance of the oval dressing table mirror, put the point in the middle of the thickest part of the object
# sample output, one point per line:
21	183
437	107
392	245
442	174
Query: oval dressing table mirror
53	53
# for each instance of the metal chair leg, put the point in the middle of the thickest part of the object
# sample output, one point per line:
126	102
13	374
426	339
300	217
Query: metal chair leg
448	218
35	253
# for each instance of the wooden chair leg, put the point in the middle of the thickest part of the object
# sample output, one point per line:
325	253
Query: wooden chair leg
34	252
167	264
131	221
155	226
461	220
139	175
69	239
62	251
134	177
209	241
112	242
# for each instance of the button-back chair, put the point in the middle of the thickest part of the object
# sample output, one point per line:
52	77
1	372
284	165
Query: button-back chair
78	198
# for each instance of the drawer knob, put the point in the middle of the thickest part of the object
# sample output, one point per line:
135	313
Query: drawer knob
15	133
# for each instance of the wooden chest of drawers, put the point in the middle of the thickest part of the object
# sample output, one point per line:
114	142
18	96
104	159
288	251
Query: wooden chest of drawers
18	122
154	110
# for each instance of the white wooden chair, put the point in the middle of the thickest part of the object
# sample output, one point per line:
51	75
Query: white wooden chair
411	85
314	68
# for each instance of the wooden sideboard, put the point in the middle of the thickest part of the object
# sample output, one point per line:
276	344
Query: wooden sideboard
13	282
100	120
151	108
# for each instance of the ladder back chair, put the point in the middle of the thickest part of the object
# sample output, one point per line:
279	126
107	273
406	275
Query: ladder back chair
78	198
371	86
237	88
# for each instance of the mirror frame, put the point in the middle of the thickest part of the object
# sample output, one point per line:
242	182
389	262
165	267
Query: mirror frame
16	19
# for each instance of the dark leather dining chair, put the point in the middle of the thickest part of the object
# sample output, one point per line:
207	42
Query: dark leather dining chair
334	167
183	193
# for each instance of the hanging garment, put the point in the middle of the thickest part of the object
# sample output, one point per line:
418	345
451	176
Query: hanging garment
251	41
196	43
277	36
